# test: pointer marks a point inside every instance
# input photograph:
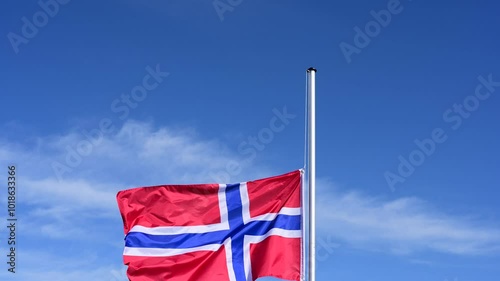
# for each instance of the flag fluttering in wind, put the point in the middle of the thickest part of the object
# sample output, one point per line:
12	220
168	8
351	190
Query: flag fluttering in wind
214	232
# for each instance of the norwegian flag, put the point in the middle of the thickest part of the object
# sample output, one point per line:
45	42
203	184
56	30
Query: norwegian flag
214	232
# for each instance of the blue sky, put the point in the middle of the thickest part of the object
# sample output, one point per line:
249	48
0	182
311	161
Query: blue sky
407	127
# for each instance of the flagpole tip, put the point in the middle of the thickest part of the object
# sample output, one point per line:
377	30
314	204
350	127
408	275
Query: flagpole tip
311	69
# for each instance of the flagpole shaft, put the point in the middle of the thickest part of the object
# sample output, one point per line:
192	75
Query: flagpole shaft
311	164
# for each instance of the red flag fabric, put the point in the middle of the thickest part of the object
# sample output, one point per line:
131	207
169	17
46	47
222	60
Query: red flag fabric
214	232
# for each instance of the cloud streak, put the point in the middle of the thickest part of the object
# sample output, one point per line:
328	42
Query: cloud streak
58	213
402	226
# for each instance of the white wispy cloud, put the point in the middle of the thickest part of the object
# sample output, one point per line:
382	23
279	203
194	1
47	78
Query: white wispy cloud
402	226
137	154
57	210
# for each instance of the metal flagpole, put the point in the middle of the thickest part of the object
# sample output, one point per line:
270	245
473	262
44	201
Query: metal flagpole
311	165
